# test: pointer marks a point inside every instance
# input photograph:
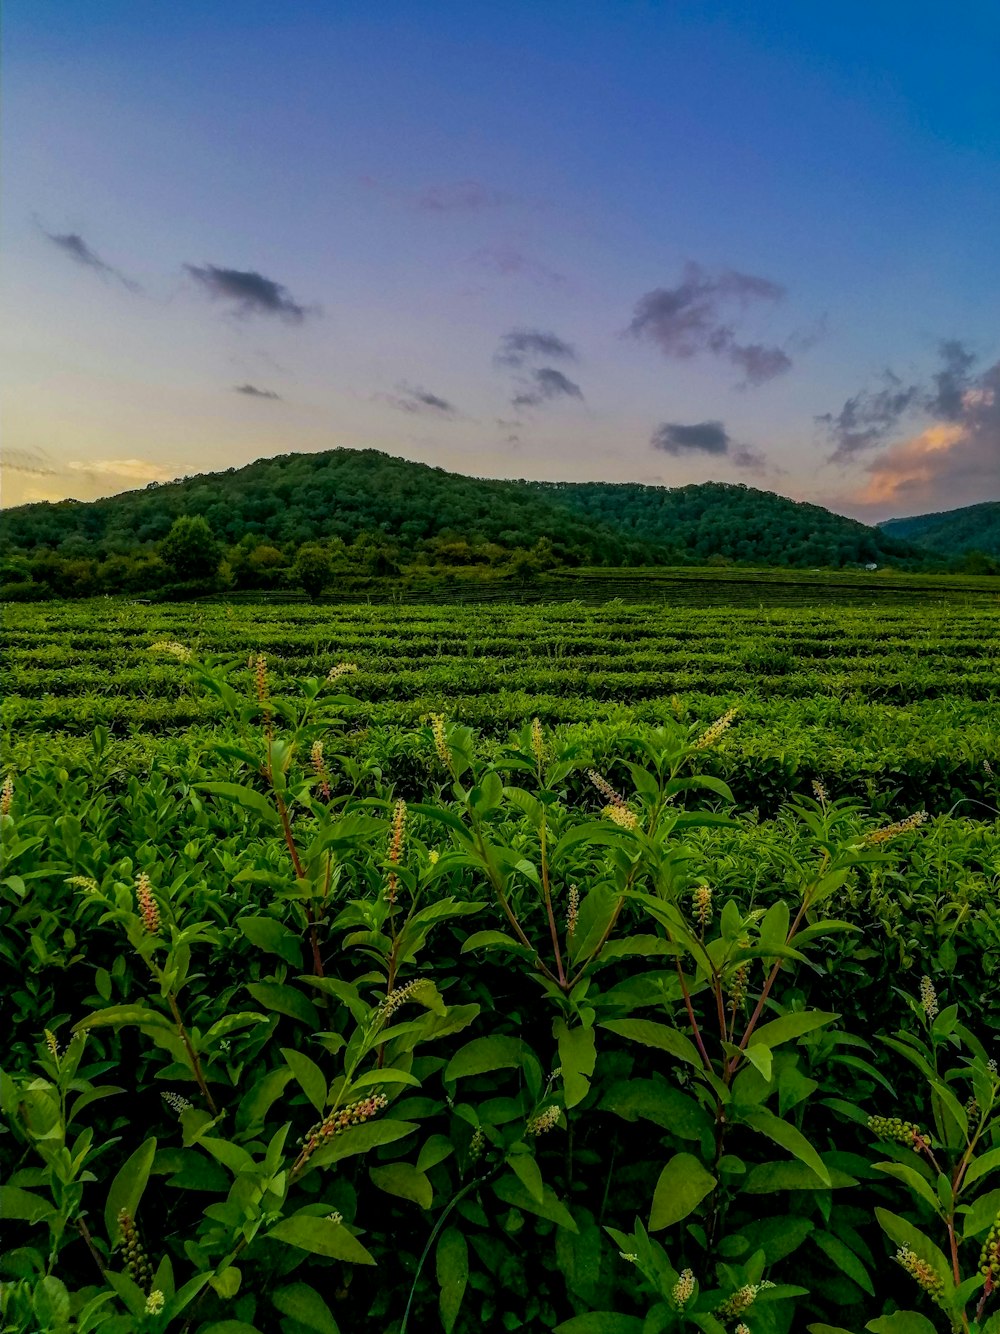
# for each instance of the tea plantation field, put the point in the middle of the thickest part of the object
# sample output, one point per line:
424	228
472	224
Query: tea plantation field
605	969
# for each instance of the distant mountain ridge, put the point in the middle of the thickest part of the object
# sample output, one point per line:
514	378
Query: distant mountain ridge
344	493
952	532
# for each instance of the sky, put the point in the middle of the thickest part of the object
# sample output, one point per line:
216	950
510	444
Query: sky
659	242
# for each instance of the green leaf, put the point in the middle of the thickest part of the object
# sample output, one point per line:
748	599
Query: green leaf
309	1076
405	1181
124	1014
484	940
912	1178
482	1055
227	1283
321	1236
790	1026
452	1267
272	937
305	1305
127	1187
514	1192
286	1000
983	1165
602	1322
774	927
828	1329
905	1234
660	1103
242	796
577	1058
785	1134
844	1259
682	1186
767	1178
660	1036
902	1322
50	1301
761	1058
359	1139
228	1327
20	1206
526	1169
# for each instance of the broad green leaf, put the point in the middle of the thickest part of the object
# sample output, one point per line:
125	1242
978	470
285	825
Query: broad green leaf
905	1234
512	1191
790	1026
660	1103
682	1186
286	1000
761	1058
451	1262
482	1055
307	1307
405	1181
309	1076
245	797
577	1058
983	1165
228	1327
844	1259
602	1322
485	940
227	1283
272	937
651	1034
526	1169
912	1178
785	1134
359	1139
50	1301
20	1206
127	1187
124	1014
902	1322
321	1236
767	1178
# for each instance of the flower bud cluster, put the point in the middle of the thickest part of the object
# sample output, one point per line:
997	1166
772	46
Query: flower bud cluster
440	740
146	904
260	676
928	997
738	985
621	815
319	769
170	646
572	910
683	1290
341	669
702	901
476	1145
605	788
136	1261
892	1129
743	1298
894	830
819	792
355	1114
713	733
6	795
544	1121
176	1102
400	996
397	840
922	1272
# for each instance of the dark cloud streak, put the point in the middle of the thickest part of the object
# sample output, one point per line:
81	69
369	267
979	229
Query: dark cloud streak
546	384
73	245
522	346
250	292
251	391
709	437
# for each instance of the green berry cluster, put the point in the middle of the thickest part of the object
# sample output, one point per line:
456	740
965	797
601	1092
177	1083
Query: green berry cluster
989	1260
136	1261
899	1132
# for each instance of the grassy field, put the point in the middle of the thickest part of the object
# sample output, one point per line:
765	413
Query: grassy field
590	968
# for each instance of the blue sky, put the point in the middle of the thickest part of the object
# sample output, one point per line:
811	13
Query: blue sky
657	242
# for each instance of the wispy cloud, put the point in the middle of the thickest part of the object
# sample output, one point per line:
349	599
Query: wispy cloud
249	292
869	417
509	262
73	245
546	383
522	346
251	391
700	315
413	399
32	462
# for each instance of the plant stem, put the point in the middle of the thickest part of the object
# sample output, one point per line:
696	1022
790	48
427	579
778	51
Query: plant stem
192	1054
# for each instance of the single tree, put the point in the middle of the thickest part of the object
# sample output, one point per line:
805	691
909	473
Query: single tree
189	550
311	570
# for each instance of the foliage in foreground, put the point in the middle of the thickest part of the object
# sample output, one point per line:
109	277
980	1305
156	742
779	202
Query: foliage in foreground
289	1053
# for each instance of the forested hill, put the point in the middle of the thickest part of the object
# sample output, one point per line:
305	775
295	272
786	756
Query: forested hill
974	528
350	495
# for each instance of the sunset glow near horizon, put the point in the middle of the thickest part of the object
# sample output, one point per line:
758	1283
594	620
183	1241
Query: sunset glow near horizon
662	243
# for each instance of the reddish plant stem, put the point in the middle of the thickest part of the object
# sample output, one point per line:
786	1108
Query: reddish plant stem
192	1054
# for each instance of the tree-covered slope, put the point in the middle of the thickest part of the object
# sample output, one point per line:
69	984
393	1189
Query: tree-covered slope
303	498
953	532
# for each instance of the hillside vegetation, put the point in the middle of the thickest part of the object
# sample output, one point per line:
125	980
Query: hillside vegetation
973	528
305	520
